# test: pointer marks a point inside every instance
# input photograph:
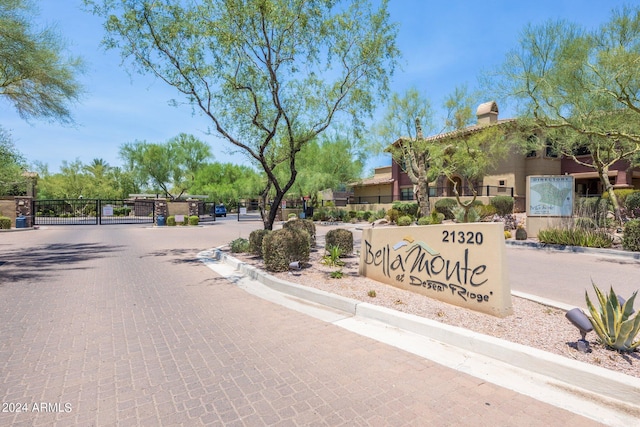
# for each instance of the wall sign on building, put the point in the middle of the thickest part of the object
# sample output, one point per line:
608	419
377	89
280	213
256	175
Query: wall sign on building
461	264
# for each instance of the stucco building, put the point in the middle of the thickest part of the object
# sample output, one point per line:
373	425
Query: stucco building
508	177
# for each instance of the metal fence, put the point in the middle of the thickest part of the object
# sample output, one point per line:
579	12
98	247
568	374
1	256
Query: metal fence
249	211
93	212
485	190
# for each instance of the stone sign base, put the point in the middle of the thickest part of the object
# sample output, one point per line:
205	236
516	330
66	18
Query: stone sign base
461	264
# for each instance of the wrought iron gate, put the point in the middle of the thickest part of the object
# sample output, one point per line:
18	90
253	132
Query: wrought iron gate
93	212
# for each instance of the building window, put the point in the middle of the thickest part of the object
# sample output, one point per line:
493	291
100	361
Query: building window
406	194
502	182
549	151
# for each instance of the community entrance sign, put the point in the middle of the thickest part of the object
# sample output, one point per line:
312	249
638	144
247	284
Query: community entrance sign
461	264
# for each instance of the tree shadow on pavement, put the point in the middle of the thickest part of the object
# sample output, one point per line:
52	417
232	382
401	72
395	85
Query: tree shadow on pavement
177	256
34	263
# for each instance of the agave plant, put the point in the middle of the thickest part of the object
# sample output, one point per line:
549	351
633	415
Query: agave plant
612	322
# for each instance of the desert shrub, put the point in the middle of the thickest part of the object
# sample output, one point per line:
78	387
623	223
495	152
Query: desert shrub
366	215
393	215
319	215
424	220
194	219
596	208
587	223
631	237
5	223
239	245
404	220
445	207
459	212
171	220
621	194
633	201
406	208
340	238
503	205
507	234
486	212
339	214
353	214
306	225
576	237
282	247
380	214
255	241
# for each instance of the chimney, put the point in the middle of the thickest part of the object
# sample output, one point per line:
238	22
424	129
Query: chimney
487	113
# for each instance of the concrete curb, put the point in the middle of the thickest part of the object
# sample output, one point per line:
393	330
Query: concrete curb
589	379
574	249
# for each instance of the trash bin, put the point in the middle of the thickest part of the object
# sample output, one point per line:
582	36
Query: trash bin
161	221
21	222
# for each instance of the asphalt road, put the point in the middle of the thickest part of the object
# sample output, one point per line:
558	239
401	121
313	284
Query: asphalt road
121	325
565	276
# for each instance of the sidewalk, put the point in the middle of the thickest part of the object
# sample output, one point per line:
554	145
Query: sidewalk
602	395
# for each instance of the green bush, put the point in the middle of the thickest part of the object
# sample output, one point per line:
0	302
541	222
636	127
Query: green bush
406	208
306	225
503	204
282	247
445	207
194	219
5	223
621	194
255	241
239	245
171	220
472	215
404	220
366	215
631	237
353	214
633	201
587	223
576	237
340	238
486	212
424	220
393	215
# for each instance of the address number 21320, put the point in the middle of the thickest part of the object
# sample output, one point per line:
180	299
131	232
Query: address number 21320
462	237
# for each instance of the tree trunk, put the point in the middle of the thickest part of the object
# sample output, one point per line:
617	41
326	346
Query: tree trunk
423	192
604	178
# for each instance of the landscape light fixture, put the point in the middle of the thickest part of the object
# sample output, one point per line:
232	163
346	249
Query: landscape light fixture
582	322
294	265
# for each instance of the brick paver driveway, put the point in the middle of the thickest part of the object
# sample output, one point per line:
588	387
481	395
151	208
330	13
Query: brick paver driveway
120	325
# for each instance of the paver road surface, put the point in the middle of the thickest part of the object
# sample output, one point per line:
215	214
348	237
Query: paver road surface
121	325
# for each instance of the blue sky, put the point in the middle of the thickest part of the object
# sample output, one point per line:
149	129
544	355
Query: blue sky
444	44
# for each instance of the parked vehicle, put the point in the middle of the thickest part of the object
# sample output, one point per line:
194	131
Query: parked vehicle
220	210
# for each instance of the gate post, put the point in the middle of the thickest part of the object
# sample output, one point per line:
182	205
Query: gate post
161	209
24	207
193	207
